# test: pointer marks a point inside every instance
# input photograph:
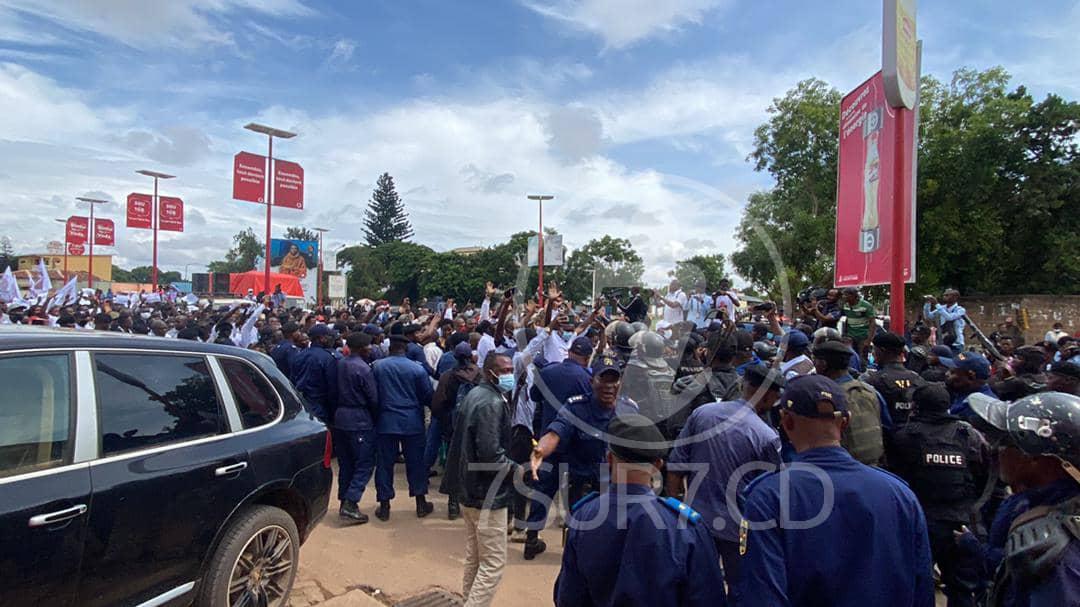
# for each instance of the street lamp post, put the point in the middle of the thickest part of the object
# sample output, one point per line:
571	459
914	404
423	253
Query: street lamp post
270	133
319	272
90	236
154	221
64	221
540	198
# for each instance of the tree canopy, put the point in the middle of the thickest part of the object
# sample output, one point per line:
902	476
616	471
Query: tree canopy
241	257
707	270
385	219
300	233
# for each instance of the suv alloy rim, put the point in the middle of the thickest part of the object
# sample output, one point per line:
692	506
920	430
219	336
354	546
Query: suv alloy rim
260	574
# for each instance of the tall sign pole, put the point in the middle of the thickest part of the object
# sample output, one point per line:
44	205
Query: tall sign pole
540	245
319	270
91	229
270	179
900	73
155	209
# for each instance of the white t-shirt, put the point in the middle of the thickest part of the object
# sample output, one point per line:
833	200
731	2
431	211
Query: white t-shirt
674	314
724	300
698	307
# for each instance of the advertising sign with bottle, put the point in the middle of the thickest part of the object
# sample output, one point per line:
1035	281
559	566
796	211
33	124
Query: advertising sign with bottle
865	205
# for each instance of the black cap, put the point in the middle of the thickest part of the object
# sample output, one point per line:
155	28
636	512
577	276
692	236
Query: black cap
929	397
803	393
889	341
832	349
410	328
606	364
635	439
760	375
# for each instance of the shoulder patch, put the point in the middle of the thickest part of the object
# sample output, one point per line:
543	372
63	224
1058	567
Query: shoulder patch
580	398
744	535
681	509
584	500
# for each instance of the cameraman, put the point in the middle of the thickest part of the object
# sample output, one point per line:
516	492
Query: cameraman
948	317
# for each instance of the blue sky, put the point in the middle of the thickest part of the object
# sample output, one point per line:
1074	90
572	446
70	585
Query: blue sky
638	115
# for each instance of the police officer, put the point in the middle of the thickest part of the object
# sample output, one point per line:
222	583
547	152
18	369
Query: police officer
354	425
968	374
626	546
554	385
868	417
647	381
891	378
578	435
286	349
1040	438
845	534
619	336
946	462
314	372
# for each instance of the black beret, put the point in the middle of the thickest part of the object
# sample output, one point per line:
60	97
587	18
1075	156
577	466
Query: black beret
760	375
636	439
889	341
832	349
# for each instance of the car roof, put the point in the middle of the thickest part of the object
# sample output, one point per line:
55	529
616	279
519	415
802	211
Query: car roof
21	337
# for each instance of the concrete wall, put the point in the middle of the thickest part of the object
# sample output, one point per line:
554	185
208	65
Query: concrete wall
1036	314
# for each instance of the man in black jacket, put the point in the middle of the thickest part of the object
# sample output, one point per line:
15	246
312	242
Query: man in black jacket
479	476
635	310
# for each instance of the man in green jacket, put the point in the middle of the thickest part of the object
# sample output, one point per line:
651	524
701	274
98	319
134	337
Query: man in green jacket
479	475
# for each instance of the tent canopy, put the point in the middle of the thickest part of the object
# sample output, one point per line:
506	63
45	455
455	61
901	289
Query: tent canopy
240	283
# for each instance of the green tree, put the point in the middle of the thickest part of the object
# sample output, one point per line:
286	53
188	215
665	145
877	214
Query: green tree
391	270
7	254
385	219
615	261
121	275
241	257
144	274
300	233
707	269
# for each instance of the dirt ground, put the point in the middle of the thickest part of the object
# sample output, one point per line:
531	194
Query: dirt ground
406	555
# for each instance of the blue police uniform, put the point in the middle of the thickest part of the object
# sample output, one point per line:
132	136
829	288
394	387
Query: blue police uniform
446	362
354	427
627	547
404	390
283	354
415	353
960	407
314	373
869	548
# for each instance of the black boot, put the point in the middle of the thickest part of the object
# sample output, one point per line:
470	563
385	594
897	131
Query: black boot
533	545
351	511
423	507
383	511
453	510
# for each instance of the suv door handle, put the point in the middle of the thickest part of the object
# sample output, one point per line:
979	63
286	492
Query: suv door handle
52	518
230	469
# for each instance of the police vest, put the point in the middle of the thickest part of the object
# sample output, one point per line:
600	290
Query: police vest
942	476
862	436
891	382
650	388
1036	545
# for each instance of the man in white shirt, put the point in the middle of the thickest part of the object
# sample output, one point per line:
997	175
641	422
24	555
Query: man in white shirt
674	304
727	301
698	307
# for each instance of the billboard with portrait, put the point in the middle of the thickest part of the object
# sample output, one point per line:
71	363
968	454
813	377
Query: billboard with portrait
299	258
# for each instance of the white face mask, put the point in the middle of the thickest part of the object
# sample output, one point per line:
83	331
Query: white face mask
145	315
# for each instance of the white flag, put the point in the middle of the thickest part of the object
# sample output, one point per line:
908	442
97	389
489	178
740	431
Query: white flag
67	294
9	289
44	284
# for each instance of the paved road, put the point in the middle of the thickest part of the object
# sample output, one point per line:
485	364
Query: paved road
406	555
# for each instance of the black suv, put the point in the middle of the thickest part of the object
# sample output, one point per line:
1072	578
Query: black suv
143	471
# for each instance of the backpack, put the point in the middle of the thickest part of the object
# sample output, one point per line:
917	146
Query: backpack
862	436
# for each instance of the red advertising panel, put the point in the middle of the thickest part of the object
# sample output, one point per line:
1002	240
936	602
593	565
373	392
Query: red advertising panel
75	249
865	210
249	177
139	211
170	214
77	230
288	184
104	232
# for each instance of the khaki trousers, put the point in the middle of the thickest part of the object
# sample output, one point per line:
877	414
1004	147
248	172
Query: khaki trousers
485	554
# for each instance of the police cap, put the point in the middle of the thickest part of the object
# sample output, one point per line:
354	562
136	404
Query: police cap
803	394
636	439
890	342
832	349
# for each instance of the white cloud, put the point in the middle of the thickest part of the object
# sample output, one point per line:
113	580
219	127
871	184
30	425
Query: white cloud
341	53
622	23
142	24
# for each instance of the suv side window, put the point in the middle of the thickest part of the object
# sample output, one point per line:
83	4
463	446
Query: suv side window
35	413
147	400
256	399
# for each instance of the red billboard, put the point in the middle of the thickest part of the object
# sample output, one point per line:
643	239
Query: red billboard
104	232
76	230
288	184
249	177
170	214
865	209
139	211
75	249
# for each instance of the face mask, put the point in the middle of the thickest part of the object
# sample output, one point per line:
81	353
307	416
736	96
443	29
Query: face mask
568	335
145	315
507	382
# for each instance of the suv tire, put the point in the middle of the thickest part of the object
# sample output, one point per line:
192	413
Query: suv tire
259	553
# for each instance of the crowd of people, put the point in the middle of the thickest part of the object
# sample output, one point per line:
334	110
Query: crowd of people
696	450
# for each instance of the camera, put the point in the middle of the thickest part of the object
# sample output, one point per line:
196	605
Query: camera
765	306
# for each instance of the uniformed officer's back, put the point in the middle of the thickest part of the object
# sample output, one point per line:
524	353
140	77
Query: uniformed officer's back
627	546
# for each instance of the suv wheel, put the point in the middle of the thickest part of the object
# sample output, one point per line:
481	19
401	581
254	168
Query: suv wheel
256	562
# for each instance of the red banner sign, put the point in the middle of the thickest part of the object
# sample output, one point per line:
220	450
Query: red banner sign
104	232
865	209
249	177
288	184
170	214
75	249
77	230
139	211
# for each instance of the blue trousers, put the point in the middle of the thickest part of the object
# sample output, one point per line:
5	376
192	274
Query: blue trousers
356	462
413	447
433	442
